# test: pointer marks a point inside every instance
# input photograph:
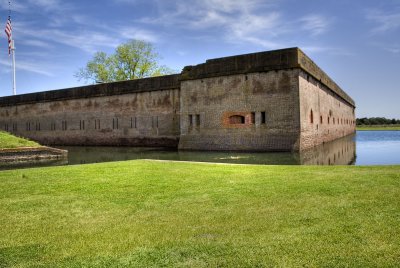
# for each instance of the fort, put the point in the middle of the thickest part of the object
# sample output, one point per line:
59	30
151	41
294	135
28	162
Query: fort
268	101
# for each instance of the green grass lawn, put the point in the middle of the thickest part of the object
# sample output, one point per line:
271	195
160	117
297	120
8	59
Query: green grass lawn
9	141
379	127
147	213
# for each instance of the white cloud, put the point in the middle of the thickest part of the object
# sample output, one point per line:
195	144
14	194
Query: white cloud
135	33
86	40
394	50
315	24
386	21
28	66
35	43
240	21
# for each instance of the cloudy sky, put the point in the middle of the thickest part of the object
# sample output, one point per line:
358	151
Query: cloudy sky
356	42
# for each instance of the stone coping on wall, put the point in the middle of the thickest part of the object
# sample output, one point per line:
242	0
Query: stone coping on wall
166	82
23	154
281	59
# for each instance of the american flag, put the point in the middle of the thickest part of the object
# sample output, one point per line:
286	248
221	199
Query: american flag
8	31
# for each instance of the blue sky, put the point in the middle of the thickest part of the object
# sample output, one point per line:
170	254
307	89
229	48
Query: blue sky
357	42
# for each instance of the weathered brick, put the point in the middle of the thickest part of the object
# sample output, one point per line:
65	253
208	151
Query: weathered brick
254	102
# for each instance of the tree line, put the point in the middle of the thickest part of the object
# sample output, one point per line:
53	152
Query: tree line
377	121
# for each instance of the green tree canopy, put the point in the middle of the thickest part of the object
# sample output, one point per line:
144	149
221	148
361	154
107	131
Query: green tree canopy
132	60
377	121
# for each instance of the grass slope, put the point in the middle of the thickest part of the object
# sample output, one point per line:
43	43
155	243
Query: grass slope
379	127
8	141
169	214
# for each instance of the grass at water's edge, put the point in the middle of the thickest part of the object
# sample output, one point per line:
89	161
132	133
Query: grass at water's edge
378	127
9	141
175	214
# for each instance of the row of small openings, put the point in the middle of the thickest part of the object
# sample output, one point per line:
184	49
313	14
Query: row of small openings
14	127
28	126
342	121
195	118
82	125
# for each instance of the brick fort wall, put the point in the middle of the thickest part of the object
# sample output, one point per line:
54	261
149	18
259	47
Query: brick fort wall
269	101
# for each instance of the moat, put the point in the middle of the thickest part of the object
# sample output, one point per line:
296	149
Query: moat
364	148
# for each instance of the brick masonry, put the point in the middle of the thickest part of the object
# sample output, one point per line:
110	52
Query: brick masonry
268	101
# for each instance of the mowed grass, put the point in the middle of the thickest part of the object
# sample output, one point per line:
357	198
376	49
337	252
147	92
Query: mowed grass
8	141
147	213
378	127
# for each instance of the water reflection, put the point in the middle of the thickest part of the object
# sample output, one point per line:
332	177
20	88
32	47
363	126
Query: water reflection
373	148
338	152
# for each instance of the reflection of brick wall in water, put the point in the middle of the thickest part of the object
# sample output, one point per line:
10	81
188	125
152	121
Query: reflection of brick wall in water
341	151
269	101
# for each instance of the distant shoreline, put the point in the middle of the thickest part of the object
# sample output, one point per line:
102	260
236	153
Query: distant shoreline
378	128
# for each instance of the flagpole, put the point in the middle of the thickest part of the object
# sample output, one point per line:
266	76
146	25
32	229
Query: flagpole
13	67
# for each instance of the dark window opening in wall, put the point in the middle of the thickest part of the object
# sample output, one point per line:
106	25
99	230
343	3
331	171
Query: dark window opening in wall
190	120
97	124
82	124
64	125
246	78
53	126
308	78
236	119
37	126
263	118
115	123
134	123
28	126
320	119
253	117
328	120
311	117
197	120
15	127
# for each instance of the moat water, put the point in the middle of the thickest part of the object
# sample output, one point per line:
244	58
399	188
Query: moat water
363	148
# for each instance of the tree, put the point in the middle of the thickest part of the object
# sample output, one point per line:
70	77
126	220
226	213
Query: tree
132	60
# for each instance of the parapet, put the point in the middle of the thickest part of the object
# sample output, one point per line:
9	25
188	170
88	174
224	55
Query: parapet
99	90
281	59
